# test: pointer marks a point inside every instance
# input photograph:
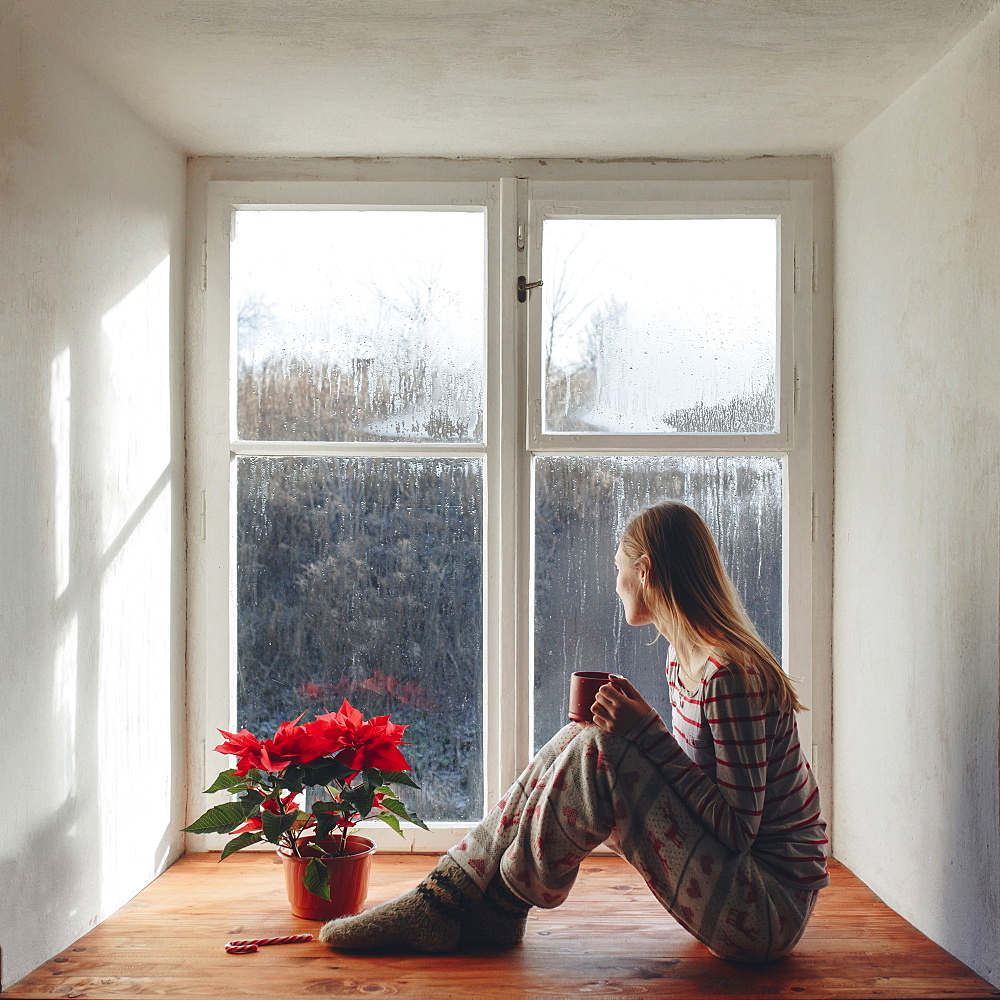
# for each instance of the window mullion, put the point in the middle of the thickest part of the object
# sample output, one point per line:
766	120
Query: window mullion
506	693
355	449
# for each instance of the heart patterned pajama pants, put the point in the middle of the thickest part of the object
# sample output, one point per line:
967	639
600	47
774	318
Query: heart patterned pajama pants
586	786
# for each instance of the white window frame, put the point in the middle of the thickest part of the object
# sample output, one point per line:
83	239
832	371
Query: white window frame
515	206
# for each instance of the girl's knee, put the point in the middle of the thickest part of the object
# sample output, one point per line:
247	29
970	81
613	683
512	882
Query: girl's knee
568	734
604	746
587	746
590	733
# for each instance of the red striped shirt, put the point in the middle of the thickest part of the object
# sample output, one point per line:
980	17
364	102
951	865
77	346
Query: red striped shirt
742	771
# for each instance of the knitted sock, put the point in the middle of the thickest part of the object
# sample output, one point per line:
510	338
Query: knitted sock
427	918
497	920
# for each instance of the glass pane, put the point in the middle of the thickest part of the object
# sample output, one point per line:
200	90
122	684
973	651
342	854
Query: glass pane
362	578
659	325
581	506
359	325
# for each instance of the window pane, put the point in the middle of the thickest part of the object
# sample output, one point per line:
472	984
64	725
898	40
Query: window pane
362	578
359	325
659	325
581	506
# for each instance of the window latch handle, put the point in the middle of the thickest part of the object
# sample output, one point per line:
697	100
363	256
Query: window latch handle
523	285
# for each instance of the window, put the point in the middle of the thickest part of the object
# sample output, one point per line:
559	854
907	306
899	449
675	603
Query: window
413	472
359	572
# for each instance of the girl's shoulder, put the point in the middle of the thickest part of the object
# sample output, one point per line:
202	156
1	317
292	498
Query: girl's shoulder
719	669
722	675
723	681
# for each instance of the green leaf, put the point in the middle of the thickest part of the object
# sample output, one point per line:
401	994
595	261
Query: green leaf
362	798
397	807
325	773
292	773
227	781
394	805
390	820
275	825
398	778
315	879
238	843
325	822
325	806
291	778
221	819
251	797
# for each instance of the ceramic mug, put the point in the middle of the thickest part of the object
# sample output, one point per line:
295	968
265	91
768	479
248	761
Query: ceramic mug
583	688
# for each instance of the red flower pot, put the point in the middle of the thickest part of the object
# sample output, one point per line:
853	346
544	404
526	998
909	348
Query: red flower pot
348	880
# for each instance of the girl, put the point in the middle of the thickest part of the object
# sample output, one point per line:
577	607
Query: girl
718	810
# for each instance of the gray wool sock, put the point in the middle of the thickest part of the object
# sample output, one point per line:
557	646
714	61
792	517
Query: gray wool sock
497	920
427	918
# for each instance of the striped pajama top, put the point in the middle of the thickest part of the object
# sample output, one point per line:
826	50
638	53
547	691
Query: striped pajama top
736	761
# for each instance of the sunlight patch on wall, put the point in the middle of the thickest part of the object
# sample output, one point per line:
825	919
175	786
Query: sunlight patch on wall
59	433
136	401
134	724
61	780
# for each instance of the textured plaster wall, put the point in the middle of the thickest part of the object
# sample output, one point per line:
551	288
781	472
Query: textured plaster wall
917	551
91	501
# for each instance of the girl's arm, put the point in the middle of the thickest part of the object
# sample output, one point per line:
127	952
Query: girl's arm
731	806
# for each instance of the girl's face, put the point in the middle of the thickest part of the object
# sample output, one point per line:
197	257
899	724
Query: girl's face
631	576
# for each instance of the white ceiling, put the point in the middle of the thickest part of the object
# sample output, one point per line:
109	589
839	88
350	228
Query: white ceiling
510	78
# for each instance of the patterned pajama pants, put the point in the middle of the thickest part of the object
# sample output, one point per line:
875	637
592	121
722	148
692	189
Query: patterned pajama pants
586	786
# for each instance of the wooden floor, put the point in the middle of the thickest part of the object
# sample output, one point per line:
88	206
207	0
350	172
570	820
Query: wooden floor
611	939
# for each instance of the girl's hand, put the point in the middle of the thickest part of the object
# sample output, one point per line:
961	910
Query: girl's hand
619	707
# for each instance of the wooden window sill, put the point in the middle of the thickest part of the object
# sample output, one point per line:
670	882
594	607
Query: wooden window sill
610	939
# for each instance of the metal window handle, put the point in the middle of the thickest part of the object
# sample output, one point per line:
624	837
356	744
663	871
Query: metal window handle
523	285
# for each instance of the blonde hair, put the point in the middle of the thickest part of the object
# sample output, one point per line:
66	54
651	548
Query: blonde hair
688	589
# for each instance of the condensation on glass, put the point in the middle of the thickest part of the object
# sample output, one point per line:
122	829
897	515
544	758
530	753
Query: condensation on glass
653	326
362	579
581	507
358	325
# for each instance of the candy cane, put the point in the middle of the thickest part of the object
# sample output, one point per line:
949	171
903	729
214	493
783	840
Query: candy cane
240	949
287	939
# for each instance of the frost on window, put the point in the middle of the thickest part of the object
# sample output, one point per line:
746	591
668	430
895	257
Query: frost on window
359	325
362	579
581	506
659	325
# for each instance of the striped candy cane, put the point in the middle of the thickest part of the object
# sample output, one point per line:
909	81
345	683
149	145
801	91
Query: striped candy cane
240	949
286	939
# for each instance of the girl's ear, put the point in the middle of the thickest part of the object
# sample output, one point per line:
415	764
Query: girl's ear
643	569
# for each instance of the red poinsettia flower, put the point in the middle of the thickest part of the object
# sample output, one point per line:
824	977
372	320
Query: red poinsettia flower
244	745
252	825
291	744
359	744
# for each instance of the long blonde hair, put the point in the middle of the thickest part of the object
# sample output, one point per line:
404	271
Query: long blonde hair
688	590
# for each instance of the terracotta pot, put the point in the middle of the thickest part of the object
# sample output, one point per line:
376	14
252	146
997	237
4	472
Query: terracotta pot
583	688
348	880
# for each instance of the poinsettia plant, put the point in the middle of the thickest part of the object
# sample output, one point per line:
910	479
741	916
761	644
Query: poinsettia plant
351	762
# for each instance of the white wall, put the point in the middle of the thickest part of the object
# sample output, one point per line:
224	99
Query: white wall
917	550
91	501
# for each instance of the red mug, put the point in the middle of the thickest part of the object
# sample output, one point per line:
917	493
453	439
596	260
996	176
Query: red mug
583	688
